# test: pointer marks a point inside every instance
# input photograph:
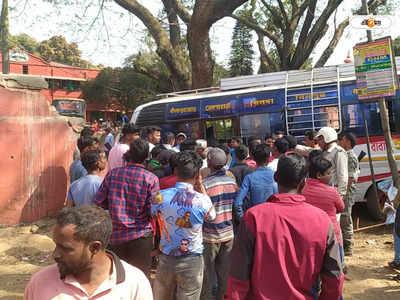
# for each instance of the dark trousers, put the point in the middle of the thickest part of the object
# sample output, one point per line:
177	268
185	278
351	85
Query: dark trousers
136	252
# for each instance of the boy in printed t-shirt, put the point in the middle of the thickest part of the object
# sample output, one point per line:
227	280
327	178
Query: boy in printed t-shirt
182	210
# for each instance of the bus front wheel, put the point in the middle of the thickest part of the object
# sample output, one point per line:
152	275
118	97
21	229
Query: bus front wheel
375	206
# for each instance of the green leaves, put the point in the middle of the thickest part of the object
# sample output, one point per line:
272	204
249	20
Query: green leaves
55	49
138	82
242	53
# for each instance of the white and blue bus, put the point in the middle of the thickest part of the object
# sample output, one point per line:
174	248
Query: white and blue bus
293	102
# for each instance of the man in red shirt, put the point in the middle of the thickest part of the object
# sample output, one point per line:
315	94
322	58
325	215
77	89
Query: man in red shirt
319	194
170	181
283	245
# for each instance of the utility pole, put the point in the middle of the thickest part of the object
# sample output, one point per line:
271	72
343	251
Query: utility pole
5	48
365	10
384	116
371	166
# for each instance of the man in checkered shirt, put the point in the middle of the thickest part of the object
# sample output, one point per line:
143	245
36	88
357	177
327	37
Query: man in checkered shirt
127	192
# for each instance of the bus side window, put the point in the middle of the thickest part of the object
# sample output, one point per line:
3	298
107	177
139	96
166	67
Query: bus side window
394	114
277	122
352	119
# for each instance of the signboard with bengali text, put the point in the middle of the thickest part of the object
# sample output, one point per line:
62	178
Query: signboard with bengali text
183	110
212	108
375	69
262	102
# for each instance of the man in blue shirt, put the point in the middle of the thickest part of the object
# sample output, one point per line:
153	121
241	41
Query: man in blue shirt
77	170
83	190
260	184
108	141
235	142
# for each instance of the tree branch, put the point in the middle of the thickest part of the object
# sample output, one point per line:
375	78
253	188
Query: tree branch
332	44
181	10
274	38
274	15
284	14
308	20
295	5
308	42
217	9
372	4
174	28
175	62
265	59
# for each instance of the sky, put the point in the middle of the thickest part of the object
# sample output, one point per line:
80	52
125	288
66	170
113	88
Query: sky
109	36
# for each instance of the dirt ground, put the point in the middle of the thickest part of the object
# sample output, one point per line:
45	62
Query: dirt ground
24	249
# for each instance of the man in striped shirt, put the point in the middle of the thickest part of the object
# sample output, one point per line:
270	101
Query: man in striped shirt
218	234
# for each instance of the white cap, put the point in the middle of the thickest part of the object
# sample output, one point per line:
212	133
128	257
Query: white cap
181	134
201	143
328	133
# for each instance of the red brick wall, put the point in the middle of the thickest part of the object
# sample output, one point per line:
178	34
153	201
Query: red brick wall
36	148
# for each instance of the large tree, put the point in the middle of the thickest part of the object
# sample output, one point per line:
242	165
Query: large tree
123	86
293	29
198	17
241	59
55	49
58	49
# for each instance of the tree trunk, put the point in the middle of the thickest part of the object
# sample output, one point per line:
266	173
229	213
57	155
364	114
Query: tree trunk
205	14
389	143
5	47
200	54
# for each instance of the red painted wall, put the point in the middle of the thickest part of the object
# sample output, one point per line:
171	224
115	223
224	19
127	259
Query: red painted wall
36	147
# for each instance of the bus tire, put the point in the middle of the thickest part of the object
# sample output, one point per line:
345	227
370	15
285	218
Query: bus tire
375	206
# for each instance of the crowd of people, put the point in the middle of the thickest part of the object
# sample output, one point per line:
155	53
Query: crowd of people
265	219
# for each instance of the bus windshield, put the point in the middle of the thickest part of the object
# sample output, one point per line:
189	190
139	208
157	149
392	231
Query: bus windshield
70	107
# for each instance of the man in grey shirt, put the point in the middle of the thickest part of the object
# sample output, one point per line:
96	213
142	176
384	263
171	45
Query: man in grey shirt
327	140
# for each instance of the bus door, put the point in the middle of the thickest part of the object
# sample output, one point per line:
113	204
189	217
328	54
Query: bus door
220	130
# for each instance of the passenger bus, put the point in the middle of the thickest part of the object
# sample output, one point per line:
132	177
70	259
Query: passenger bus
293	102
70	107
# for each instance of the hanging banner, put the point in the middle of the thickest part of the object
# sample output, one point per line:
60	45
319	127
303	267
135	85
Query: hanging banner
375	69
183	110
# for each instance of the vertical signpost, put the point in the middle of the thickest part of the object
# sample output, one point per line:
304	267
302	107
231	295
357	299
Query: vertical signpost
376	76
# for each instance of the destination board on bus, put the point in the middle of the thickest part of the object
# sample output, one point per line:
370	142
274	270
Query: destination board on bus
211	108
320	96
183	110
375	69
262	102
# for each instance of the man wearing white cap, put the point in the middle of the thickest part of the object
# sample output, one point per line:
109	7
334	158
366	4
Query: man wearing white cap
327	140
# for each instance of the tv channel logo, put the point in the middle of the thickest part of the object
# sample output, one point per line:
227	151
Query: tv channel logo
371	22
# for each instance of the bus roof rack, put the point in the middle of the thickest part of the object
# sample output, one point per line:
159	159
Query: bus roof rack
278	79
188	92
298	77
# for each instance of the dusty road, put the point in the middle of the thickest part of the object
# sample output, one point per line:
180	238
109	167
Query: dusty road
25	249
